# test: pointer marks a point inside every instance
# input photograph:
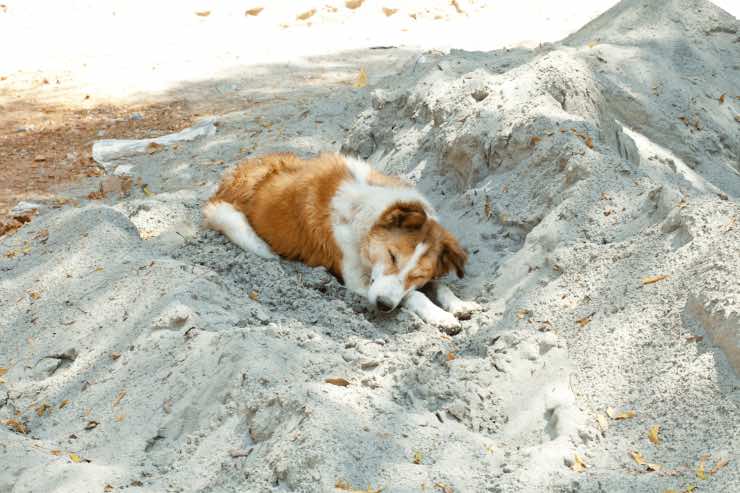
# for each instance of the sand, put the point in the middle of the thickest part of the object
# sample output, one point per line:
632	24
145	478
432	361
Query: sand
595	182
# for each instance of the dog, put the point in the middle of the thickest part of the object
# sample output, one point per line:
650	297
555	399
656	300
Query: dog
375	233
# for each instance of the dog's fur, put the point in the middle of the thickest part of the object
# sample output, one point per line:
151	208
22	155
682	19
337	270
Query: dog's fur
375	233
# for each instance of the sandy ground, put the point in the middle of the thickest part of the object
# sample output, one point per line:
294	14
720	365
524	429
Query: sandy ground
594	180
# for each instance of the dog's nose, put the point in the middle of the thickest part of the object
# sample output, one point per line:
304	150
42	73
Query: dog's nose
385	304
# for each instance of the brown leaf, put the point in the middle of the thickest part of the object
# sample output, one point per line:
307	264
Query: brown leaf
487	208
533	141
444	488
203	13
585	320
255	11
700	467
653	434
39	158
42	409
603	423
389	12
3	371
341	382
254	295
63	404
56	452
119	397
153	147
625	415
17	426
523	313
638	458
91	425
653	279
457	6
451	356
115	355
579	465
417	457
34	295
694	338
306	15
120	418
361	80
590	143
107	488
720	464
722	99
353	4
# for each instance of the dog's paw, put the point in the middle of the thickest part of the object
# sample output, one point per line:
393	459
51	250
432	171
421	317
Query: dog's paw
463	310
444	320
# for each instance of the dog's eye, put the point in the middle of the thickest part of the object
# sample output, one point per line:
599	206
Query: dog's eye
393	257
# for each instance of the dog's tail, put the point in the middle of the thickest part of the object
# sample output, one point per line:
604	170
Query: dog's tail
231	222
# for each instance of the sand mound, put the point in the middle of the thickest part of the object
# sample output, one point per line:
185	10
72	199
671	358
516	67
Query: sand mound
595	183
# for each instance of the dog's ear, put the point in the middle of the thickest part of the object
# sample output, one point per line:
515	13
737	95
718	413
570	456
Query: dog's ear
452	257
406	215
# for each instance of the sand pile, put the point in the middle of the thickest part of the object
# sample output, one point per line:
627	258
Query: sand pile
595	183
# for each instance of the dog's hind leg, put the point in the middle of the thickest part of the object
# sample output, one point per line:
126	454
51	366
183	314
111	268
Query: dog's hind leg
231	222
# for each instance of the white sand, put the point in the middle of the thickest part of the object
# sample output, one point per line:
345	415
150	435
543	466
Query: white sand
159	342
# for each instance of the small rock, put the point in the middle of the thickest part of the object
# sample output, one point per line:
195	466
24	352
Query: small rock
367	364
136	116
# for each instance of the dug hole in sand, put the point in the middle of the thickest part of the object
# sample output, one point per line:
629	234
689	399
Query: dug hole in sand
595	183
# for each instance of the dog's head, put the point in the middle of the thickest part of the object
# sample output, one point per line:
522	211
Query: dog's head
407	249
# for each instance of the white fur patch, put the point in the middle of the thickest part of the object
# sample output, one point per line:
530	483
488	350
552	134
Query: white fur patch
418	303
393	288
223	217
355	208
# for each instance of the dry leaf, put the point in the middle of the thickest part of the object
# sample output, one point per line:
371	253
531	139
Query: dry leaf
694	338
203	13
578	464
3	371
361	80
417	457
153	147
254	295
637	457
74	458
91	425
722	99
653	434
451	356
689	488
255	11
389	12
353	4
590	143
585	320
108	488
44	408
603	423
700	468
120	418
487	208
146	191
34	295
306	15
625	415
522	313
39	159
445	488
653	279
56	452
115	355
17	426
119	397
533	141
720	464
63	404
341	382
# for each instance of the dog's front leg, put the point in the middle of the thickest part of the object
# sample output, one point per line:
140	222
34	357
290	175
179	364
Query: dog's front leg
449	302
418	303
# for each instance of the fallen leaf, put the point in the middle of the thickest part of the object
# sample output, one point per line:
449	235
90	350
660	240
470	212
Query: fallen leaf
38	159
203	13
153	147
722	99
99	269
590	143
579	465
3	371
417	457
451	356
700	468
74	458
522	313
341	382
119	397
533	141
653	434
653	279
63	404
585	320
389	12
694	338
115	355
361	80
625	415
254	295
146	191
445	488
56	452
17	426
108	488
306	15
353	4
91	425
42	409
487	208
602	421
34	295
720	464
120	418
255	11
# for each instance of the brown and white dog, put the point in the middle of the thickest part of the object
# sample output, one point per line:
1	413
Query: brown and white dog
375	233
